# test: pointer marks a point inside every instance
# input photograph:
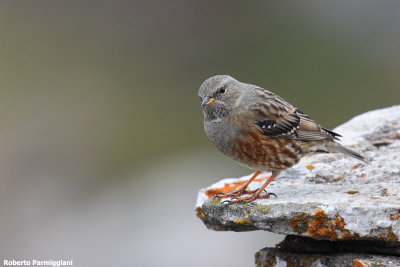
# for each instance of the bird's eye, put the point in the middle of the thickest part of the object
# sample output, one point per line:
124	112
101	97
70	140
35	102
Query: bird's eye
222	89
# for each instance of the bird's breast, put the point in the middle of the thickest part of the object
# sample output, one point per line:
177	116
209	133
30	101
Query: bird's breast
222	134
257	151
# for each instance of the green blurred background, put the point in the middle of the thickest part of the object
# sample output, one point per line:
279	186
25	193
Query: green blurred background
102	148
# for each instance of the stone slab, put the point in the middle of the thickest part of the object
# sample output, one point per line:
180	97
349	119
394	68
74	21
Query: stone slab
271	257
325	196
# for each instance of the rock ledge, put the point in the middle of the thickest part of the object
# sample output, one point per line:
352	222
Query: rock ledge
331	196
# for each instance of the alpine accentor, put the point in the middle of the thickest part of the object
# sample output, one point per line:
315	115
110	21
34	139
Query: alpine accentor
260	130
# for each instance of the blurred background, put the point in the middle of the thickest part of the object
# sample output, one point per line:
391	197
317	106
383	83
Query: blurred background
102	147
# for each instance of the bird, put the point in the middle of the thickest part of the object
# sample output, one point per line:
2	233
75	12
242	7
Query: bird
260	130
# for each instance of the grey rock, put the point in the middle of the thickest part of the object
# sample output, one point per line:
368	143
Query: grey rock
271	257
326	196
308	245
306	251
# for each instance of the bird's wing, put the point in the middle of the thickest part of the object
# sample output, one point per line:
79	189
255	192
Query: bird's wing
277	118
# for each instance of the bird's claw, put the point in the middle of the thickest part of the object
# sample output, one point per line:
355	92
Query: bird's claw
218	195
226	201
270	194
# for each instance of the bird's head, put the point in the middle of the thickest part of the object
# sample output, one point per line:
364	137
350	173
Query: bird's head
219	94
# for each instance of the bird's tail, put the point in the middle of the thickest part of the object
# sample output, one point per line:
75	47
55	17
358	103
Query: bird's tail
339	148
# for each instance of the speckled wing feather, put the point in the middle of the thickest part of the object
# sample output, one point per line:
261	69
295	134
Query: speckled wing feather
277	118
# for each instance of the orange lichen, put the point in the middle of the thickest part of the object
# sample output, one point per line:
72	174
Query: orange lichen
300	223
339	178
346	235
360	263
228	187
310	167
322	227
242	221
391	236
339	222
386	234
200	214
356	166
394	217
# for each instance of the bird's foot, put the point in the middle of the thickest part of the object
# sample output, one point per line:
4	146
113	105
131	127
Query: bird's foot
234	194
250	198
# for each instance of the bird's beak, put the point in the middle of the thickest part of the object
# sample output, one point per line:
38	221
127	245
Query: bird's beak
207	100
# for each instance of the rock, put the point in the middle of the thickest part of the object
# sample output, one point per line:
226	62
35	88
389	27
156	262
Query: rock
325	196
308	245
270	257
305	251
